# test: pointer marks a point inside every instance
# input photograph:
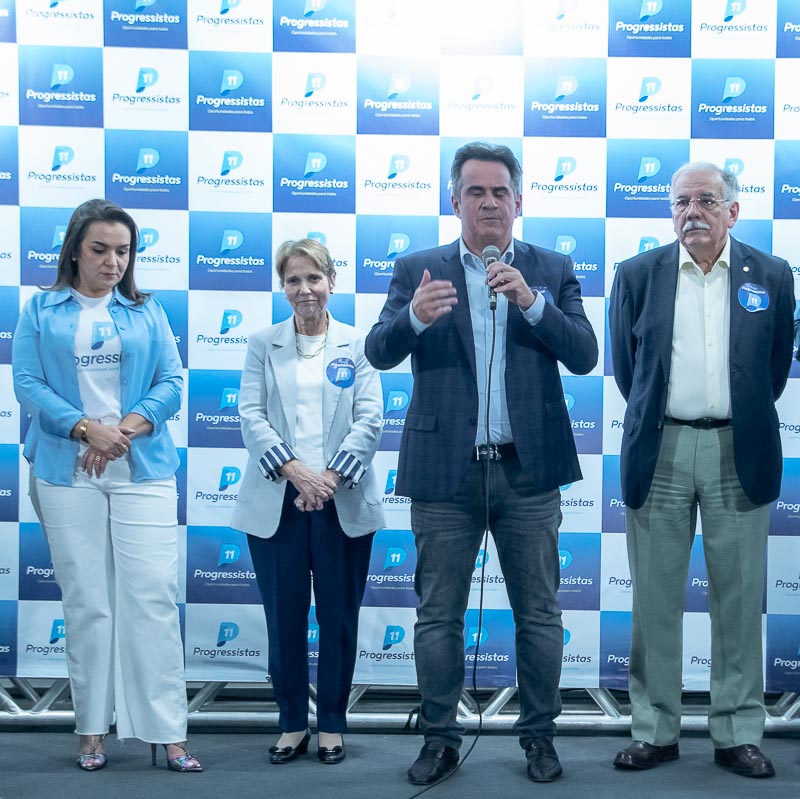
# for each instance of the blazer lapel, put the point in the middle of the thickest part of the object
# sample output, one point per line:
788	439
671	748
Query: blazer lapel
452	269
665	285
737	277
337	346
282	358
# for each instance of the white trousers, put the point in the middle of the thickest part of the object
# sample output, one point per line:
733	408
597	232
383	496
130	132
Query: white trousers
114	549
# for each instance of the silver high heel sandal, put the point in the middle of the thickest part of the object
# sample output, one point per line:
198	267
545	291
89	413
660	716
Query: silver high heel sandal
184	763
92	760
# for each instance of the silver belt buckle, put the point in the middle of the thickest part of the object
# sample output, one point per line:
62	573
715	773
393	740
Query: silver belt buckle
487	452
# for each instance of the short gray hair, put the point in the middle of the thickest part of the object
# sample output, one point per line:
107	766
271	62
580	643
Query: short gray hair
312	249
730	186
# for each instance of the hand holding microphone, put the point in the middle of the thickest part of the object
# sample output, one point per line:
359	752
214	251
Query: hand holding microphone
505	279
489	256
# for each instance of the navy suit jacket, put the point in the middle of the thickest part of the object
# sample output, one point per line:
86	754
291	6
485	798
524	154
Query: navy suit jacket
441	423
641	315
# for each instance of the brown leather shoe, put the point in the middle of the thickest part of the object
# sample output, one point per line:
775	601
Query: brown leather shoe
642	755
747	760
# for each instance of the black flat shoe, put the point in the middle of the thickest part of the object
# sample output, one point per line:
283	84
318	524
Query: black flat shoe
285	754
330	757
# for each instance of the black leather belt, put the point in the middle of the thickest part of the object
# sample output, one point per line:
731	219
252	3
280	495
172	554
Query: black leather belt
494	452
706	423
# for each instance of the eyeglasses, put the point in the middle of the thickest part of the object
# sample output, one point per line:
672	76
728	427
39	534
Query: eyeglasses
704	203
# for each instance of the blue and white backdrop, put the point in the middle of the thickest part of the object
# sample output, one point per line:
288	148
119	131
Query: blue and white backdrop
227	126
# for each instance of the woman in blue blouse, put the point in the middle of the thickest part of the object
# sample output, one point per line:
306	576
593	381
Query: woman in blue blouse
96	366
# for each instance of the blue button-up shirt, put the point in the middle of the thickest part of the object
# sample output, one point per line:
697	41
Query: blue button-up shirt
482	333
46	382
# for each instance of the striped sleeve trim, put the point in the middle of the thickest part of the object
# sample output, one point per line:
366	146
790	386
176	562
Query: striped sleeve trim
271	461
349	466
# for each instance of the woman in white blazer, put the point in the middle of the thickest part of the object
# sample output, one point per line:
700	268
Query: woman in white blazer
311	413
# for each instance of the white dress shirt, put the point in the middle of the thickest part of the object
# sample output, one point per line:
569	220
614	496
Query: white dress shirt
699	382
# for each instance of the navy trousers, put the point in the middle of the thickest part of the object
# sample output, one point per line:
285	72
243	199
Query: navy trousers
311	546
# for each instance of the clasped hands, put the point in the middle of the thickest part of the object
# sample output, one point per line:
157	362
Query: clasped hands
436	298
314	488
107	442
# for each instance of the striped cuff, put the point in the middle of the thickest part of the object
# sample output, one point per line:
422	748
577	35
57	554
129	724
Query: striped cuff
271	461
348	466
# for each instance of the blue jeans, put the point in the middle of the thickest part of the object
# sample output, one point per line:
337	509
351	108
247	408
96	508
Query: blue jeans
448	536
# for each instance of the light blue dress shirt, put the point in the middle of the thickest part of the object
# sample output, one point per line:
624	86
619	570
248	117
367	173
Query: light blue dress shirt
482	333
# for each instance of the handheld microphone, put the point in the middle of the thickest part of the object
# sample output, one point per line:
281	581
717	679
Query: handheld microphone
489	256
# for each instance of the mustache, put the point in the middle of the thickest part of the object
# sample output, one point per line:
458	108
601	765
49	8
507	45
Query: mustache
695	224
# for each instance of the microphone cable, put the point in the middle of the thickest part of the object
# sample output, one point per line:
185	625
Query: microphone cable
484	548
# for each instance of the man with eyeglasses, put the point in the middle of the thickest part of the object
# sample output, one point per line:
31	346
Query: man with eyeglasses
701	340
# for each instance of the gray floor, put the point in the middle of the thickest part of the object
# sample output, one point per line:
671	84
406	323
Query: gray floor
39	765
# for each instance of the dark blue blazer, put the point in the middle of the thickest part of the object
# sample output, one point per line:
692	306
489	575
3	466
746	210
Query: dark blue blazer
641	315
441	423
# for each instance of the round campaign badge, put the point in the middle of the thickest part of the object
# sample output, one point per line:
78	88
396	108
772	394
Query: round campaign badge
753	297
341	372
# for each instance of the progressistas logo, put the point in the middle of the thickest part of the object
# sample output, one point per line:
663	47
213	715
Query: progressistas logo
736	166
638	179
398	163
314	26
787	180
381	239
56	14
584	400
651	85
565	97
213	409
60	86
394	646
227	633
579	562
658	29
142	95
564	169
230	91
583	240
231	161
229	476
42	233
147	169
63	156
733	99
397	390
397	97
145	23
227	250
224	20
729	22
314	174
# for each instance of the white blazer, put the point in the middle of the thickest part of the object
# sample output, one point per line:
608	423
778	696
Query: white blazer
352	417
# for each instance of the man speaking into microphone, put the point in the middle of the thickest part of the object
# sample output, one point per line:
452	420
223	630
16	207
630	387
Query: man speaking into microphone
487	442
